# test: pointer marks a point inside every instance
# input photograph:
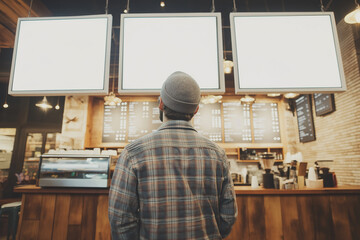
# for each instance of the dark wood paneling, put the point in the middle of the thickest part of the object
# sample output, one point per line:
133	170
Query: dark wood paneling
353	202
29	230
76	208
102	219
323	220
340	217
74	232
89	217
47	216
290	218
268	216
306	217
33	206
273	219
256	219
61	218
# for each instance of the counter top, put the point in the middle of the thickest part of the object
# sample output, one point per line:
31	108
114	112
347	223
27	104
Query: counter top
36	189
239	190
247	190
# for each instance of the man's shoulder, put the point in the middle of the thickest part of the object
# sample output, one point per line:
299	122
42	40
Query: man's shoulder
141	143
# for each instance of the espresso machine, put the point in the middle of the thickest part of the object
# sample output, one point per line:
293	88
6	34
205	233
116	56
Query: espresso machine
267	159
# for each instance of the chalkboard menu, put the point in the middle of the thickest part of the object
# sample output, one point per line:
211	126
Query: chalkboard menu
305	118
143	119
266	123
115	123
207	121
128	121
324	103
237	122
227	122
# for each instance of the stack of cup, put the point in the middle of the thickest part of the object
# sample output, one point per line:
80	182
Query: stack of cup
254	182
312	181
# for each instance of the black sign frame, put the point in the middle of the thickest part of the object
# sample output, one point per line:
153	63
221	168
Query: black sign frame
324	108
307	105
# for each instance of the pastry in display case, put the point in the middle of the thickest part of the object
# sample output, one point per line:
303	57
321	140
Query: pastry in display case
74	170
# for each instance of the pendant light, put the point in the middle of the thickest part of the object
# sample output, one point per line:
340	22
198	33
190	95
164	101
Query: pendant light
247	99
354	16
57	107
111	99
6	105
44	104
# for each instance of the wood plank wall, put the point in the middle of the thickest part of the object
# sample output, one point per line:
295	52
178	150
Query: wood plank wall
64	216
297	217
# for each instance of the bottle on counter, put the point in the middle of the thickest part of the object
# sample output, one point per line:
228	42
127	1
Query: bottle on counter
293	176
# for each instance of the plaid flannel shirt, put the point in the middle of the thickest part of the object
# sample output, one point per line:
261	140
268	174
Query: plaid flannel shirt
172	184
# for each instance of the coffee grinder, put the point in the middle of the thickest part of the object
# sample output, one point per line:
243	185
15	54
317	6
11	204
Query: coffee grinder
267	159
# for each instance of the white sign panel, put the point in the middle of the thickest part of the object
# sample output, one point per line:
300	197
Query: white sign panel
282	52
153	46
61	56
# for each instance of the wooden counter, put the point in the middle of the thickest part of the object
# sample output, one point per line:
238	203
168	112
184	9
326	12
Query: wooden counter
329	213
71	213
63	213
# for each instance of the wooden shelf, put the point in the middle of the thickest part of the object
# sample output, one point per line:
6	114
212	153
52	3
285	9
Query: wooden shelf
254	161
231	153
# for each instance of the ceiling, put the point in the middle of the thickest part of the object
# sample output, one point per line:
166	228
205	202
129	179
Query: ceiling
10	10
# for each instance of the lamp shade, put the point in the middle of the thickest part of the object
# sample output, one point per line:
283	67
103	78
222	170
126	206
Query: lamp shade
353	17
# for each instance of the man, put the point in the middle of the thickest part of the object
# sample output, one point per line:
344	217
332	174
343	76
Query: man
173	183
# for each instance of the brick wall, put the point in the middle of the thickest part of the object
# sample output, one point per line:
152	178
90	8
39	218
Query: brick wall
338	133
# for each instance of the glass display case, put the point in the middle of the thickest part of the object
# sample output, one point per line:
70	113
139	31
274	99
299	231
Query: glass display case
74	170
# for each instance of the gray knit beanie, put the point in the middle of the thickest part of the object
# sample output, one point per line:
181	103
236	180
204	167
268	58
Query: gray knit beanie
181	93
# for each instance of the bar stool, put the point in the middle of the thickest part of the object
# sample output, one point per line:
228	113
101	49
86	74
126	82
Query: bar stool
12	210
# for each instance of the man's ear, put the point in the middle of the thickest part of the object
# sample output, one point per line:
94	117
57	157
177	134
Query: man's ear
197	109
161	104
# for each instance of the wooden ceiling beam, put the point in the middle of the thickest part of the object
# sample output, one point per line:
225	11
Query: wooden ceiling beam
10	11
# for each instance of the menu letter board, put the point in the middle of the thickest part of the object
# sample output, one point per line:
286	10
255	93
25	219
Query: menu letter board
266	123
128	121
305	119
324	103
207	121
115	119
143	119
237	122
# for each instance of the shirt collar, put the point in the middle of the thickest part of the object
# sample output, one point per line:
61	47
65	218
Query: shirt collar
177	124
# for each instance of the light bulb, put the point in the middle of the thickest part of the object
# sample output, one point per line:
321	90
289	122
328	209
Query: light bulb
5	105
228	65
57	107
125	11
357	16
162	4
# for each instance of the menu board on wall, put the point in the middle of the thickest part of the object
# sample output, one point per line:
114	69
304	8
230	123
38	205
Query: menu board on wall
237	122
266	123
305	118
207	121
128	121
143	119
324	103
227	122
115	123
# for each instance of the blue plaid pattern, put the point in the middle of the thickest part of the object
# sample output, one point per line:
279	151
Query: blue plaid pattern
172	184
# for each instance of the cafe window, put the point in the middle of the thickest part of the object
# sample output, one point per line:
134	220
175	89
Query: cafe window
37	143
7	139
